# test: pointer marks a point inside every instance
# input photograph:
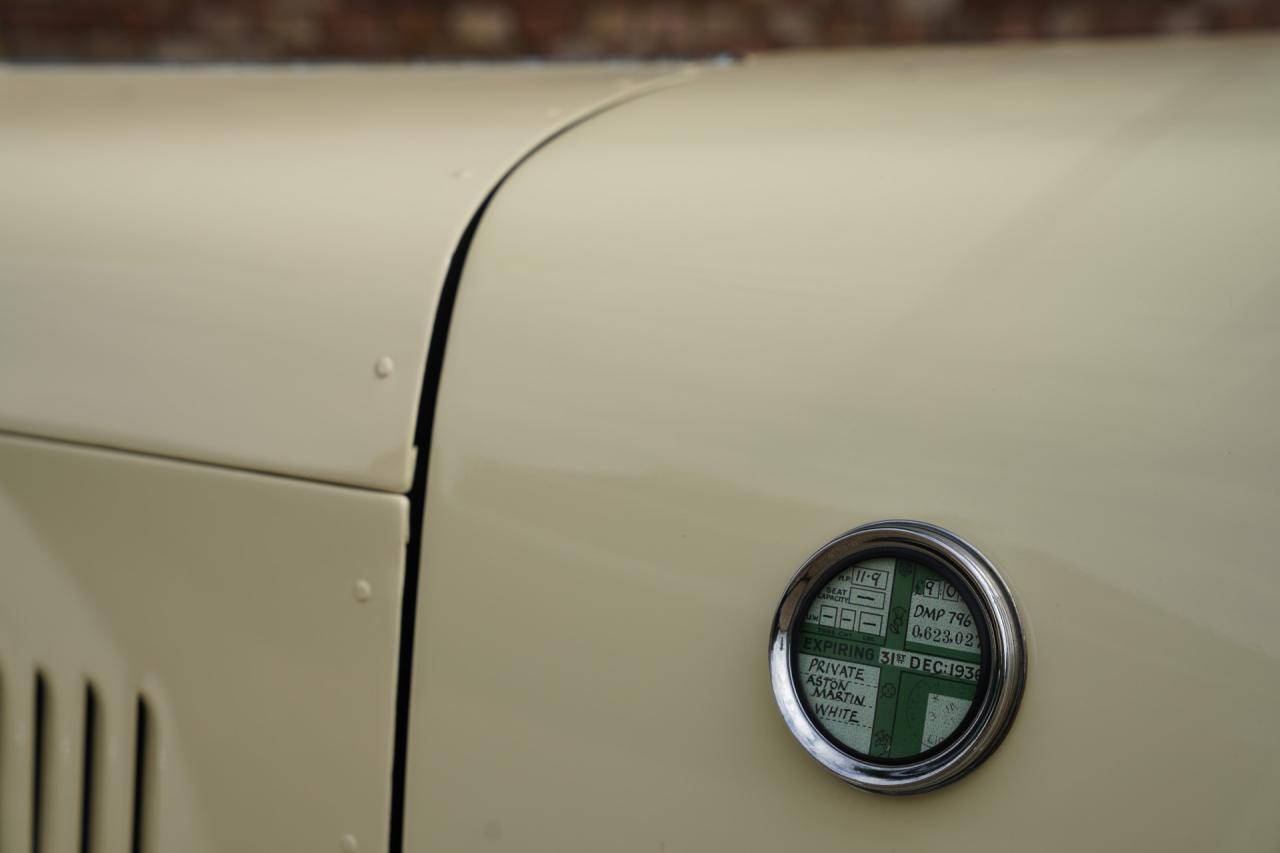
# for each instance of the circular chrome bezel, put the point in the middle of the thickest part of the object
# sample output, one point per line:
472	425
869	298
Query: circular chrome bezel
1002	634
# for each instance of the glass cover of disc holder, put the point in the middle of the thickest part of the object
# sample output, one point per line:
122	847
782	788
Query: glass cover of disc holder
889	658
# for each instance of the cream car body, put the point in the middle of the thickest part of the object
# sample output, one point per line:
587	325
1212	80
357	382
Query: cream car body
711	318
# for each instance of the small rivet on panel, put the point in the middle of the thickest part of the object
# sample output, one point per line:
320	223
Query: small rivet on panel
382	367
362	590
350	844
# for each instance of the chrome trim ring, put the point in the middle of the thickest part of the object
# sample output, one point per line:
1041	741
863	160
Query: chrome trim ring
1002	635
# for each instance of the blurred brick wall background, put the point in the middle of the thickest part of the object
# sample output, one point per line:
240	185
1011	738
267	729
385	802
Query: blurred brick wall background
195	30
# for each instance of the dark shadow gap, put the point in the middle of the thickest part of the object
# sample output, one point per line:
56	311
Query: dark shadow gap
418	492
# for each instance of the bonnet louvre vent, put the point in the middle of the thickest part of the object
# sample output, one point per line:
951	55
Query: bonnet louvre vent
143	775
76	769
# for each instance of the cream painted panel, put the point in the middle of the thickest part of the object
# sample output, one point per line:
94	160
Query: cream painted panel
209	263
1026	294
227	601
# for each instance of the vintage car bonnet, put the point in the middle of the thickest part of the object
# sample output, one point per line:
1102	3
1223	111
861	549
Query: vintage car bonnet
1025	296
